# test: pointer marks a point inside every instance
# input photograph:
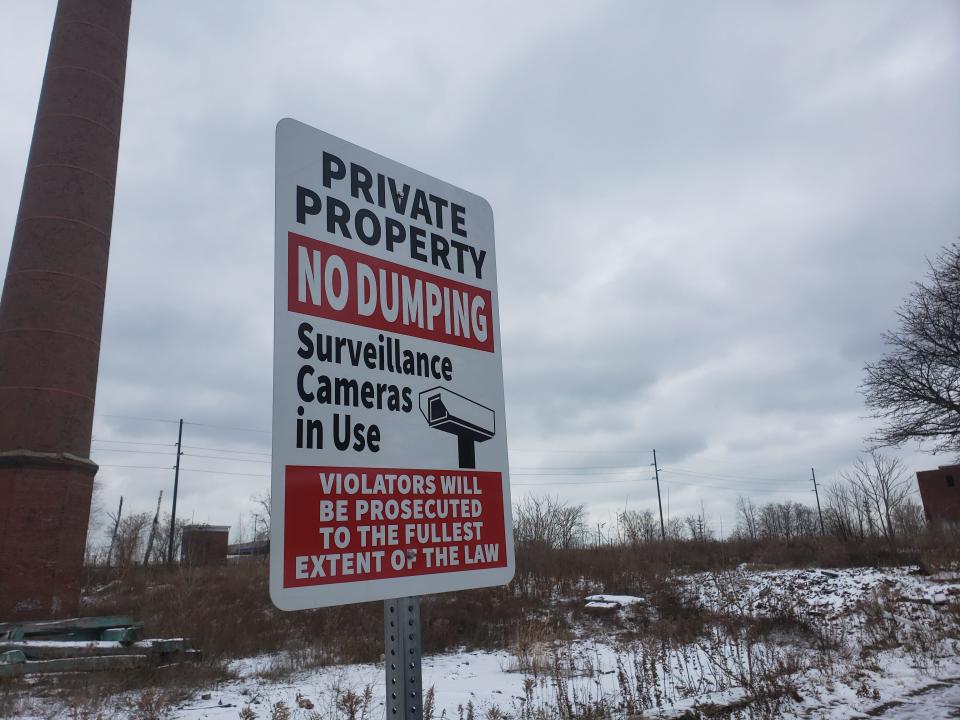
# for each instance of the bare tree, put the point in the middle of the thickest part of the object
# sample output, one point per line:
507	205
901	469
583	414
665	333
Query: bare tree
162	540
570	521
776	521
843	511
543	520
883	485
780	521
915	388
697	528
675	528
908	519
639	527
260	516
747	520
131	534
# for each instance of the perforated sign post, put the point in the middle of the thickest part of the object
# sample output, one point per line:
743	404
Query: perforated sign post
389	475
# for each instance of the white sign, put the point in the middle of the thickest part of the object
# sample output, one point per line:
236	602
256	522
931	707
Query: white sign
389	466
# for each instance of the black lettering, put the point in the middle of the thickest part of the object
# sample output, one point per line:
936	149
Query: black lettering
341	344
346	392
306	342
396	232
373	237
420	208
438	205
333	169
439	249
314	434
446	368
417	243
458	220
381	190
301	377
354	349
342	443
303	207
325	348
358	437
360	182
324	390
393	398
478	260
423	364
367	394
338	215
399	197
461	248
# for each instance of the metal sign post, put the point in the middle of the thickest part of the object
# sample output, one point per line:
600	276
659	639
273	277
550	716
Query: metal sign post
403	643
402	658
386	332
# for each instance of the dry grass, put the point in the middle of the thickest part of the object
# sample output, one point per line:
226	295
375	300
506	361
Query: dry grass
227	613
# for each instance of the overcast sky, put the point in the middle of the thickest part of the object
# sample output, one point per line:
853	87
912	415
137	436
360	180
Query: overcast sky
706	216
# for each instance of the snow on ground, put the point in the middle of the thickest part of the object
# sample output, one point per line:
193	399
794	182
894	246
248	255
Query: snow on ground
827	594
894	681
485	680
612	602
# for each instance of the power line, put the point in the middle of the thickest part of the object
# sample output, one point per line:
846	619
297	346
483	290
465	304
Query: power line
515	484
185	422
575	473
575	452
625	468
132	442
743	485
244	452
139	467
724	476
671	482
136	452
184	469
221	472
227	427
227	459
134	417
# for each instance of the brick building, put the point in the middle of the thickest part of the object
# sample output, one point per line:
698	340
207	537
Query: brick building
204	545
940	492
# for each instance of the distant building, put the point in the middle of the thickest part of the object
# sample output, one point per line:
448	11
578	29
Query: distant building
940	493
204	544
257	547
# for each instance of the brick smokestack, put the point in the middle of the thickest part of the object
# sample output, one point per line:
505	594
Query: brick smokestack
51	312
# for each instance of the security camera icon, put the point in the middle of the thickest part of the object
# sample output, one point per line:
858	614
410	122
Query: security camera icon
451	412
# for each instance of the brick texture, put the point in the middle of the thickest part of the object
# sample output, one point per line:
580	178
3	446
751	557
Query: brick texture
51	311
940	493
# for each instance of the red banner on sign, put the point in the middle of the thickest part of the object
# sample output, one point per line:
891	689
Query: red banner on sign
344	524
332	282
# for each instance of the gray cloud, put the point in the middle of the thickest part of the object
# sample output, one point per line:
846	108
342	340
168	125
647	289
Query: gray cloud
706	218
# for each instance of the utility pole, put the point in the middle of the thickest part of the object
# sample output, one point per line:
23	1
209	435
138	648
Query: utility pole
153	530
813	477
113	536
176	485
656	472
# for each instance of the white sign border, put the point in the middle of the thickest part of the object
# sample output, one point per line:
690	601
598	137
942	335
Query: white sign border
329	595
